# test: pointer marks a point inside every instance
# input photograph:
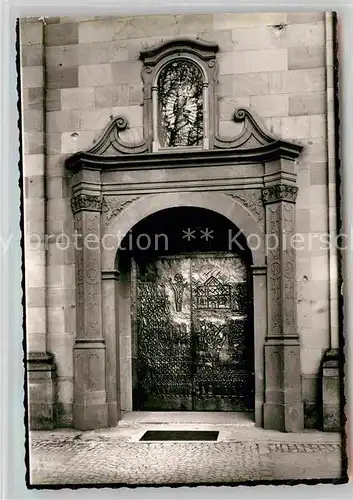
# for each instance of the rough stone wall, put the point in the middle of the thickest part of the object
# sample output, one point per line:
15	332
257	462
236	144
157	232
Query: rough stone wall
273	63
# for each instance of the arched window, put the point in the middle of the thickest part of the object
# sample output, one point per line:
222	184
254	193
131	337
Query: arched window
180	93
179	104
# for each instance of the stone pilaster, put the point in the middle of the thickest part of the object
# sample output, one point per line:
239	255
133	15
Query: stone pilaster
283	408
110	281
90	409
260	304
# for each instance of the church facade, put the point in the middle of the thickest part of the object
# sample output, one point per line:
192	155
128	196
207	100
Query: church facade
180	218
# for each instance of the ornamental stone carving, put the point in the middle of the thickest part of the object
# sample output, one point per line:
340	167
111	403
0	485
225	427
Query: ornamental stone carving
279	192
251	199
274	219
288	218
92	222
112	206
86	202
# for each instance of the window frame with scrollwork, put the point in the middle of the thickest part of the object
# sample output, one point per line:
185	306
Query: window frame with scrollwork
155	60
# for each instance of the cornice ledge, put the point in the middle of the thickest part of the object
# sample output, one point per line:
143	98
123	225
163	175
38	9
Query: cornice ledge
203	48
179	159
253	136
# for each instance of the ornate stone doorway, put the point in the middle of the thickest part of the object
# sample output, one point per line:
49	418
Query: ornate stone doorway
250	182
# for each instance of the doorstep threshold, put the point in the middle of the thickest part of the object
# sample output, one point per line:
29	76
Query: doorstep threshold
238	419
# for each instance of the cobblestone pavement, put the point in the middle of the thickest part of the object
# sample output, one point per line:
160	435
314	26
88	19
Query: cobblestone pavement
67	457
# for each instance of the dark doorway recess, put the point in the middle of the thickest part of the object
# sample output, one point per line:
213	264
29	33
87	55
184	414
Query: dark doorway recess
180	436
168	232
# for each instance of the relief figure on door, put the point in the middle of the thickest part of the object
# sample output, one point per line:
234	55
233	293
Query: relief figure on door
192	329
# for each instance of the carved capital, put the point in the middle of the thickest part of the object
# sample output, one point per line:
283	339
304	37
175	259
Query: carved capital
87	202
279	192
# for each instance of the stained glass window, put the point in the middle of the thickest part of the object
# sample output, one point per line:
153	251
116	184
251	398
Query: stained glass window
180	97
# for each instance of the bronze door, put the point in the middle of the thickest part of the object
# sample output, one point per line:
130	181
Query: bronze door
194	341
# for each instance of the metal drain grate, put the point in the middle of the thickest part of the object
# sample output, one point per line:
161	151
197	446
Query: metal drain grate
180	436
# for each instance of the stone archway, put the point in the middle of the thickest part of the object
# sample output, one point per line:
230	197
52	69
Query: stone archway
252	183
136	210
